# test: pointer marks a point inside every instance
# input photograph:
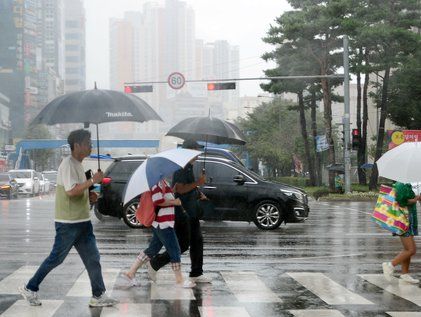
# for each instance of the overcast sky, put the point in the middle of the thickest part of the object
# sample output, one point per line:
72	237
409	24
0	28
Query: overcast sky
240	22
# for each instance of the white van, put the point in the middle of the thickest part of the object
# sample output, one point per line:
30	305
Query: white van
27	180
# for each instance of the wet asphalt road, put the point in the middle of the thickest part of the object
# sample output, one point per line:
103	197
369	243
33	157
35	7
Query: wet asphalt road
329	265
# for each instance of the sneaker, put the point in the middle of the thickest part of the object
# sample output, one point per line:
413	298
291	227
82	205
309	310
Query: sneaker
30	296
408	279
388	270
128	279
151	272
102	301
201	279
186	284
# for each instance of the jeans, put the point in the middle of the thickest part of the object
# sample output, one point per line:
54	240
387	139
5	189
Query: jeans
81	236
182	230
164	237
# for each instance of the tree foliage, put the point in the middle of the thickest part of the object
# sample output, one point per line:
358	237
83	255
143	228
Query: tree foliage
39	156
273	136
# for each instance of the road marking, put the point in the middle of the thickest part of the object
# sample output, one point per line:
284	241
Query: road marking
325	256
407	291
128	310
22	308
347	208
219	311
82	286
248	287
316	313
329	291
10	284
403	314
165	288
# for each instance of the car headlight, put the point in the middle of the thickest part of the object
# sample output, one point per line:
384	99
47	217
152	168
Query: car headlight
294	195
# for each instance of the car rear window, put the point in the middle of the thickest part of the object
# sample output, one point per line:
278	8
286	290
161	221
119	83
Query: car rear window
122	169
21	174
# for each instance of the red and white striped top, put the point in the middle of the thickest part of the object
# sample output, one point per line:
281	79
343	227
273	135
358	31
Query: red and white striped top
165	217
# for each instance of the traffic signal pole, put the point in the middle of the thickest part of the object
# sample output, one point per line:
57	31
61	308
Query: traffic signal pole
346	120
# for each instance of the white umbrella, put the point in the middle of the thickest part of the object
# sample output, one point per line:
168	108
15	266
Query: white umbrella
402	163
155	168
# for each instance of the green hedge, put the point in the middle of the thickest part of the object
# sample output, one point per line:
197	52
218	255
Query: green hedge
293	181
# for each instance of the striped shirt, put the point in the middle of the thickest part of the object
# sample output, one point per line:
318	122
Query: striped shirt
165	217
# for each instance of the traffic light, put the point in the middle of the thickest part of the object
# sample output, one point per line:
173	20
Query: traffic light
134	89
356	139
221	86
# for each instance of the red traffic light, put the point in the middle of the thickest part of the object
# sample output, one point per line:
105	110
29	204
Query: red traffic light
221	86
133	89
355	132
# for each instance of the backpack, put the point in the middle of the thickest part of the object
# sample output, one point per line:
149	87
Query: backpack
145	212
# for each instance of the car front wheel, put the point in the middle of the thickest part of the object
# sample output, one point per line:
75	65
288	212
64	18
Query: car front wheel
268	215
129	214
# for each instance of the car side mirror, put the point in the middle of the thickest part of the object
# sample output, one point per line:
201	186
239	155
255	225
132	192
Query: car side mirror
239	179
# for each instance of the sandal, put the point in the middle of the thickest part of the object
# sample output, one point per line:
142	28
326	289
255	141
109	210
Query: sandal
128	279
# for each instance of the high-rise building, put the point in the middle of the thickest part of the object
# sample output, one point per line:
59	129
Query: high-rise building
75	46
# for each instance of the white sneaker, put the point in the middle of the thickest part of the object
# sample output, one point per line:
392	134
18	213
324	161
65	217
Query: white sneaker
409	279
201	279
102	301
30	296
388	270
186	284
151	272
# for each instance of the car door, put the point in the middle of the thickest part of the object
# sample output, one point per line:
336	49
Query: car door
229	197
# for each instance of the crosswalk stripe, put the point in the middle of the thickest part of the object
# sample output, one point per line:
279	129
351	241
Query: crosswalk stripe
316	313
223	311
329	291
82	286
10	284
407	291
403	314
128	310
22	308
165	288
247	287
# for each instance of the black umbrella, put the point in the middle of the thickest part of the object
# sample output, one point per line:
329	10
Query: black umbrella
95	106
208	129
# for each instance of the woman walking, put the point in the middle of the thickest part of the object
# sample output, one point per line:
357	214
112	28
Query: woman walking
405	197
163	235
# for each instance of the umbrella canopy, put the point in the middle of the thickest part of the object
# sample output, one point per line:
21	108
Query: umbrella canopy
208	129
95	106
155	168
402	163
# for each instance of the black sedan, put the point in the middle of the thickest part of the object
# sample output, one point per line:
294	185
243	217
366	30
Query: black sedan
8	186
235	193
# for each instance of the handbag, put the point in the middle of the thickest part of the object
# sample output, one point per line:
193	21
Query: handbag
388	214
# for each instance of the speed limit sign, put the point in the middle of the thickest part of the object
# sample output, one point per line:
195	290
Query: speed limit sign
176	80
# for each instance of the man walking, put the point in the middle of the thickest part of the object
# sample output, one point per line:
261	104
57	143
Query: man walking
72	223
186	188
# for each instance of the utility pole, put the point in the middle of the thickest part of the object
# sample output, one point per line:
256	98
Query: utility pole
345	119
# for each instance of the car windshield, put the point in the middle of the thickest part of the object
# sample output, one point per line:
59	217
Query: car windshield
4	178
21	174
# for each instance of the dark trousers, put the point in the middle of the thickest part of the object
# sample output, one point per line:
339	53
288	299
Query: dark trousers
188	232
81	236
196	248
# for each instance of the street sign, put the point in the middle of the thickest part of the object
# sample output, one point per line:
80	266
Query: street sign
321	143
176	80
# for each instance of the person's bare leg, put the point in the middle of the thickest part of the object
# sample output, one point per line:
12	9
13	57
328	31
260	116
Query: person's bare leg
404	257
141	259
